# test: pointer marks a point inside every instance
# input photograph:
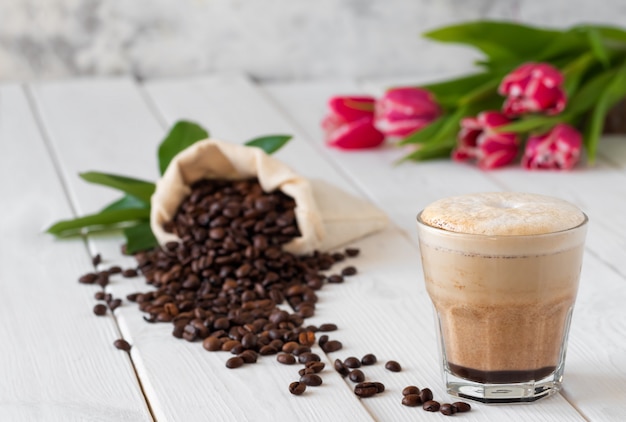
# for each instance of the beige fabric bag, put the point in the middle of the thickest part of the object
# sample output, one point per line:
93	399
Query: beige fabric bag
327	216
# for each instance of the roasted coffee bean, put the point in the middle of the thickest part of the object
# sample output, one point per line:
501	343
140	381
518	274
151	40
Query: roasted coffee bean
306	338
249	356
316	366
393	366
122	344
116	269
312	380
348	271
132	297
380	386
426	395
308	357
365	389
286	358
297	388
352	362
331	346
462	406
327	327
290	346
369	359
356	375
268	350
447	409
129	273
234	362
305	371
322	340
114	304
335	279
211	344
89	278
431	406
96	260
411	389
100	309
351	252
341	368
411	400
300	350
99	295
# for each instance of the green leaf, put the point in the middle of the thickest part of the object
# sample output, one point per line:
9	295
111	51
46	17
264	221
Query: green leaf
425	134
270	143
613	92
126	202
611	33
431	151
567	43
449	92
140	189
481	92
529	123
139	238
500	41
182	135
575	70
110	219
595	41
587	95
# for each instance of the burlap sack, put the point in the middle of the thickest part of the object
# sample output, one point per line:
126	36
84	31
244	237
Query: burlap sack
327	217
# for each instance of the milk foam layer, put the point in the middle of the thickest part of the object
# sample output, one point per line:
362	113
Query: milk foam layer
502	214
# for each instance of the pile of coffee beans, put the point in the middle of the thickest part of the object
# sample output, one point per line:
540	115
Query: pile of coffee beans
412	396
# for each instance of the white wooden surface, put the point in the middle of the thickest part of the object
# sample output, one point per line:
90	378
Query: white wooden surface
57	361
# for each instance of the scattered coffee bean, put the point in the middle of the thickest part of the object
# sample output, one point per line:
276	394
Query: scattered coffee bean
447	409
312	380
332	346
211	344
356	375
348	271
327	327
286	359
308	357
366	389
89	278
234	362
462	406
411	389
290	346
114	304
380	386
431	406
306	338
341	368
317	367
352	362
96	260
268	350
368	359
351	252
411	400
132	297
99	295
393	366
322	340
100	309
116	269
297	388
335	279
426	395
129	273
122	344
249	356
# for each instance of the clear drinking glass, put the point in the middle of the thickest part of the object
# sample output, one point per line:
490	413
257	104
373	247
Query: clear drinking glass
503	308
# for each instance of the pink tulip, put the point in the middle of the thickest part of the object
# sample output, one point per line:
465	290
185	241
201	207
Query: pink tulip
558	149
349	123
402	111
533	88
478	140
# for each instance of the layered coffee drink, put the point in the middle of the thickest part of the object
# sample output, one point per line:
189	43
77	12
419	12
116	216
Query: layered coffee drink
502	271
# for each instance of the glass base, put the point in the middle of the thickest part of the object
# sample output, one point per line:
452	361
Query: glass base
520	392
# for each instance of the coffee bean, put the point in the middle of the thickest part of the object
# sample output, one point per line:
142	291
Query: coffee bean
366	389
234	362
352	362
380	386
99	295
89	278
327	327
356	375
315	366
308	357
211	344
290	346
431	406
426	395
335	279
312	380
114	304
132	297
411	389
96	260
341	368
300	350
268	350
286	359
297	388
249	356
351	252
306	338
368	359
100	309
462	406
331	346
393	366
122	344
116	269
447	409
129	273
305	371
411	400
322	340
348	271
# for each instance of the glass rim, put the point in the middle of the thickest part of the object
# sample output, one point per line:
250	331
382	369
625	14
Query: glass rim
504	236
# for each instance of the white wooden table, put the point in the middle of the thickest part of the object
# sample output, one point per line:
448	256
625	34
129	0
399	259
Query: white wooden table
57	362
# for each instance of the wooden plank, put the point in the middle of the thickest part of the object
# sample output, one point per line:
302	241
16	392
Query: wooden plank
384	309
589	347
56	358
182	381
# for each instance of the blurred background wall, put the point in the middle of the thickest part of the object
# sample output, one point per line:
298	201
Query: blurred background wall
268	39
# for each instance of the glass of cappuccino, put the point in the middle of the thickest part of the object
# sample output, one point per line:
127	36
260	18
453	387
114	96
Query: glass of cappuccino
502	271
